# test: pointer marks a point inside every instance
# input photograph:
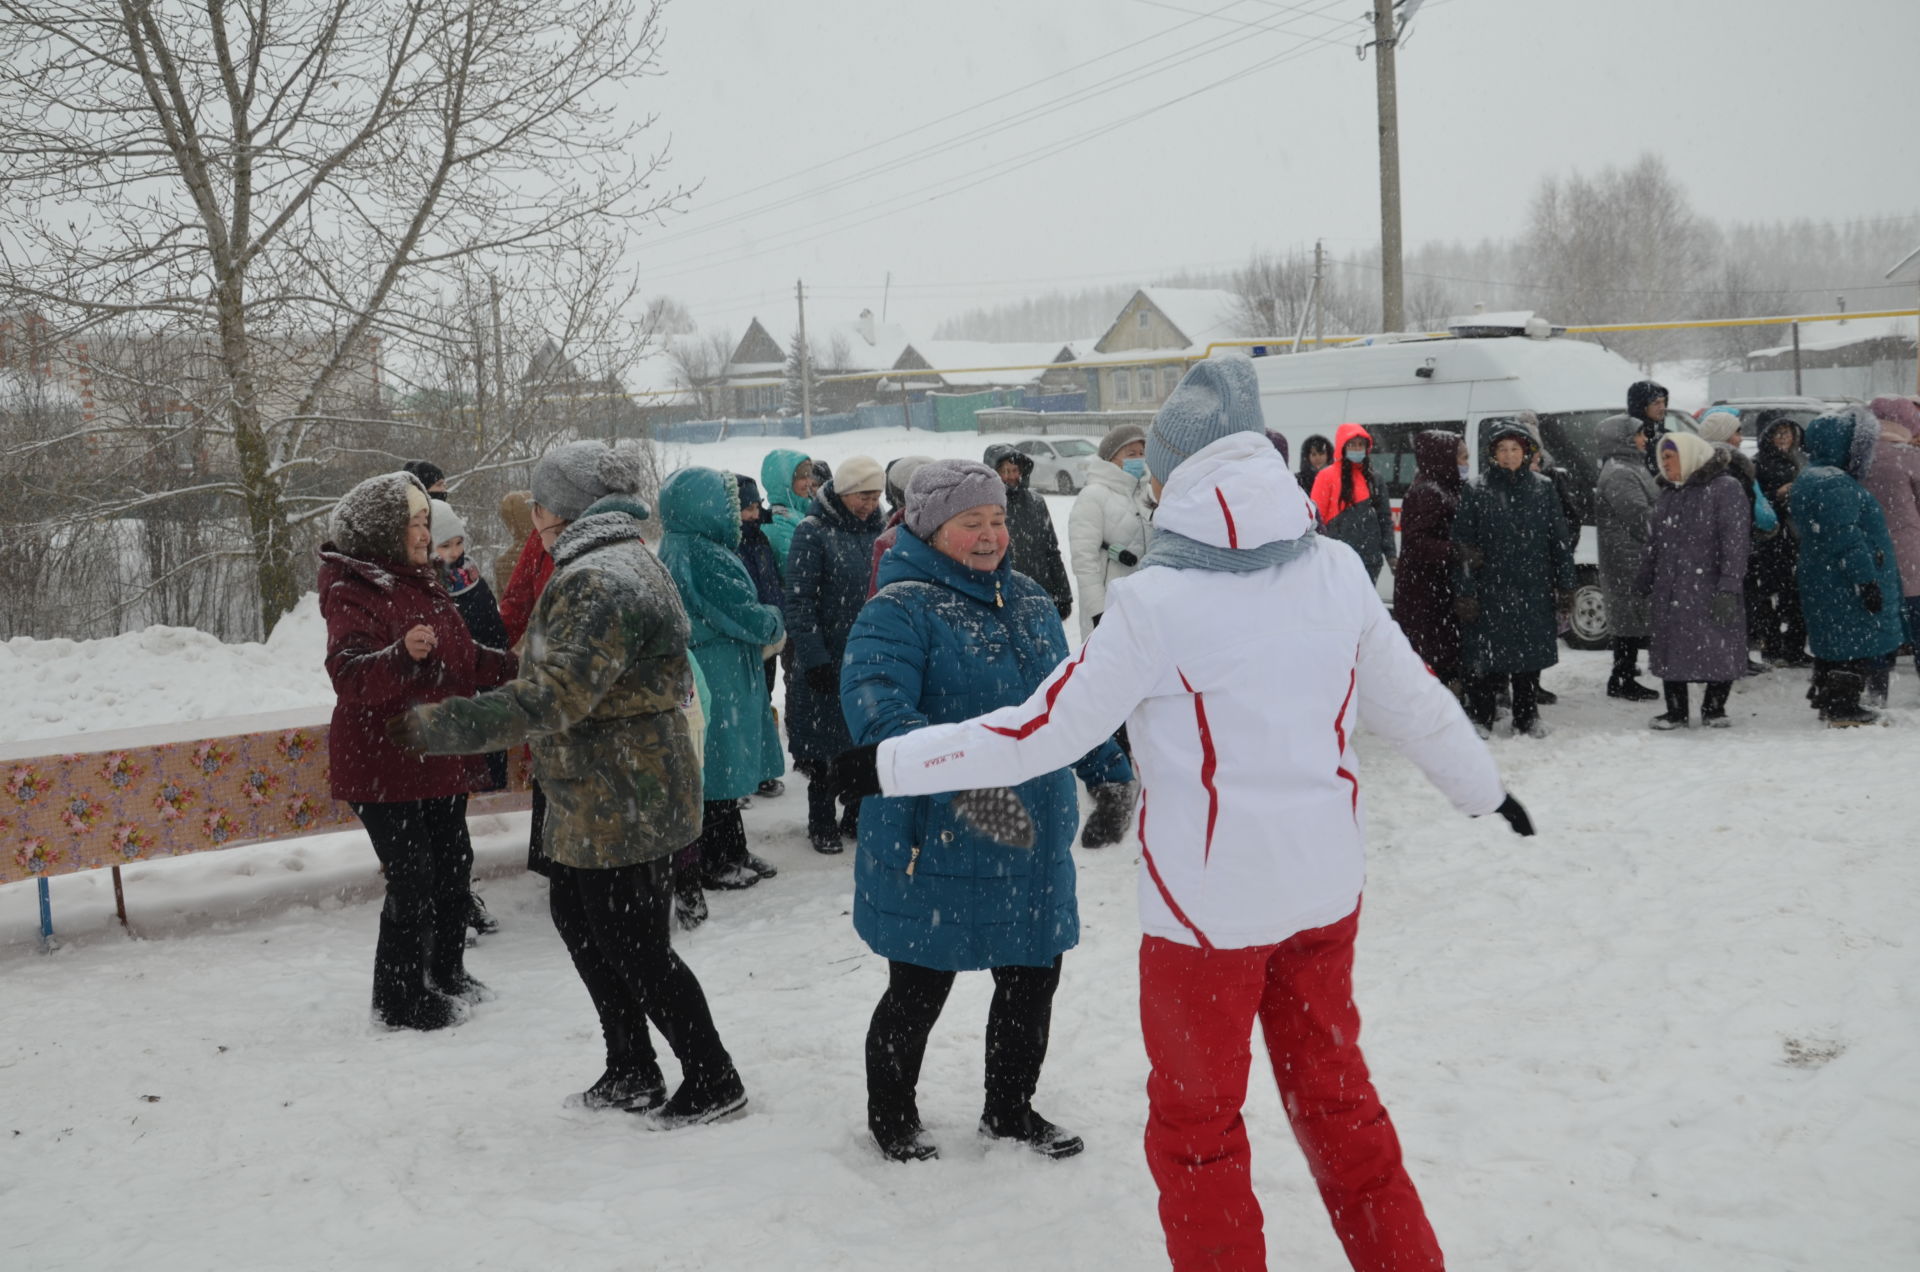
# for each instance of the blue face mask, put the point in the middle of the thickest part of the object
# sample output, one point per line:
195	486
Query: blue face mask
1135	467
1466	471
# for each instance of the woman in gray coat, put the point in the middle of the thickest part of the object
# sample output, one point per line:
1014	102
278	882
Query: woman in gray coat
1623	517
1695	572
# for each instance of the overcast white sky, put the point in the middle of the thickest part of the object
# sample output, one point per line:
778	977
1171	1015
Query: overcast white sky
1763	108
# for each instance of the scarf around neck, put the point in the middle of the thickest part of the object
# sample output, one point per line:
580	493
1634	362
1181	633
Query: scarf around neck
1175	550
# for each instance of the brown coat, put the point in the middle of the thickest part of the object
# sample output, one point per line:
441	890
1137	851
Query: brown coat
516	513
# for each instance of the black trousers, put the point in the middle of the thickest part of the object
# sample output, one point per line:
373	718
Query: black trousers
428	858
1626	657
615	926
1482	689
1713	702
1018	1025
827	798
722	841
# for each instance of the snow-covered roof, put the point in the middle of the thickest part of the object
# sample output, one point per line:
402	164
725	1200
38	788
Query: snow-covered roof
850	345
1203	314
1827	336
955	358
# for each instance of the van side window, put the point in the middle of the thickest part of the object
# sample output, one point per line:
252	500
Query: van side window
1393	458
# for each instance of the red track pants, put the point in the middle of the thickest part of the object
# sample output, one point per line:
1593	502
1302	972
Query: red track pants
1197	1009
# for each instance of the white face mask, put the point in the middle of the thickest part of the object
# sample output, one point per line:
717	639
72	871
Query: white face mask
1466	471
1356	454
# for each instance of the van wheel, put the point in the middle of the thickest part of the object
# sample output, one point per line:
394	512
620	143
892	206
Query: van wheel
1587	626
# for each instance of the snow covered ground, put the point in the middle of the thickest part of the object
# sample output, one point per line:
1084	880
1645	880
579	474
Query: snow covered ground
1676	1030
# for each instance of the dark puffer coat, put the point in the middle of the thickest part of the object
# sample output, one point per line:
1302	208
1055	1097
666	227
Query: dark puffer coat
1844	544
1623	521
371	597
827	571
1036	548
1423	589
1701	538
1511	538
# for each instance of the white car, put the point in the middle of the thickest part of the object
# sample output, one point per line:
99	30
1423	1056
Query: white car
1059	463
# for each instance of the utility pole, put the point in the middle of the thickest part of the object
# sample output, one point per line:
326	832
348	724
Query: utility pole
1392	295
806	363
1319	295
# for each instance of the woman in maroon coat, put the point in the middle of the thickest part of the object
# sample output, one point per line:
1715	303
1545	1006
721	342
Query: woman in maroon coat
1423	589
394	640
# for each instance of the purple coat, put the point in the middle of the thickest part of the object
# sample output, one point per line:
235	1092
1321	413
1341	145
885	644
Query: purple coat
1702	533
1423	588
1894	480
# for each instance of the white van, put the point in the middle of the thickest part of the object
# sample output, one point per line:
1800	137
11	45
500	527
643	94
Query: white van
1489	369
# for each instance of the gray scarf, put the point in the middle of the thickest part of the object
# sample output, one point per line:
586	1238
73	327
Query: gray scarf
1170	548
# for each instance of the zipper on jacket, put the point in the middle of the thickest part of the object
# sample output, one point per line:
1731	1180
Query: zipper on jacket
913	860
997	602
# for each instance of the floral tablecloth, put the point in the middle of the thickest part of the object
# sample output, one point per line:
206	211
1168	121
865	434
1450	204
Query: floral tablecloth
60	813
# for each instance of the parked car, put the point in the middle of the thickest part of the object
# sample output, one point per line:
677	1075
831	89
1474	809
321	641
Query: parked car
1059	463
1758	414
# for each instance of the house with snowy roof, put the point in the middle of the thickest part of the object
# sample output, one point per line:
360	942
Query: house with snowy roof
1157	335
753	382
1855	358
973	365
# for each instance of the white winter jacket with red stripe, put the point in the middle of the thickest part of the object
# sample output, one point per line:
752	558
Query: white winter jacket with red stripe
1241	693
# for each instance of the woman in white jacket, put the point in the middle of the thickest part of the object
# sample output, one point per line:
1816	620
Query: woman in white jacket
1112	519
1252	823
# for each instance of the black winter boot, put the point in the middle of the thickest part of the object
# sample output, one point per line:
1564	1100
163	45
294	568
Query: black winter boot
479	918
900	1137
628	1086
823	829
1029	1128
700	1100
1679	712
689	899
1840	700
1624	683
401	998
1713	706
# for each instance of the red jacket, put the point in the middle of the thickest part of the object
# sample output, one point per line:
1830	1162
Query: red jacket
369	607
881	545
530	575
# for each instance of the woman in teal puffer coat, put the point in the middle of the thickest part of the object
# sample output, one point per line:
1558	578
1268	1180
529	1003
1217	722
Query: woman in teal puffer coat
1849	578
954	631
700	510
786	479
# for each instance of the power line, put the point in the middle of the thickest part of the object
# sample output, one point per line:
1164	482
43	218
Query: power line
1636	291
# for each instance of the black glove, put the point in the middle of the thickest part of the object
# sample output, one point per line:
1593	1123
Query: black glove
997	813
1112	810
1065	608
1126	558
824	679
1466	608
1723	608
1516	817
1871	598
855	772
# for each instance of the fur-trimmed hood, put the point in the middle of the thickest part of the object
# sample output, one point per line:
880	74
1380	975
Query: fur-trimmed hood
1845	440
370	521
614	519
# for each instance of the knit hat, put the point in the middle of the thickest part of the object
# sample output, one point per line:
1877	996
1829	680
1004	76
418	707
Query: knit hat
1118	436
446	523
859	476
945	488
1693	452
1898	411
426	470
749	490
1720	426
899	473
1217	397
570	479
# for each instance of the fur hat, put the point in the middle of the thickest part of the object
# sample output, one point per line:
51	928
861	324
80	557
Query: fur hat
945	488
1216	397
572	478
1720	426
446	523
899	473
1118	437
370	521
859	476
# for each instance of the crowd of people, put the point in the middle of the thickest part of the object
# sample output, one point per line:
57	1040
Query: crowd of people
917	612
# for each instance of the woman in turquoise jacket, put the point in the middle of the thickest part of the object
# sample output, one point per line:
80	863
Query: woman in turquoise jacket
779	472
1849	579
700	511
953	632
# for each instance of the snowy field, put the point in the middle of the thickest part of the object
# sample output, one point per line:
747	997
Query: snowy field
1676	1030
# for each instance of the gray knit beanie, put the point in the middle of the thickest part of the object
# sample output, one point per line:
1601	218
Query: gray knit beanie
1217	397
572	478
945	488
1118	436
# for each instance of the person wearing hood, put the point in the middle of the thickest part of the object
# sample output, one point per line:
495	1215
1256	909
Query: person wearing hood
899	473
1036	548
1423	588
1252	821
1894	480
786	478
954	631
1512	567
827	573
1315	454
516	514
1353	503
474	599
1849	570
1721	429
1783	632
395	639
756	553
1647	403
1693	576
602	696
1623	523
730	632
431	476
1112	519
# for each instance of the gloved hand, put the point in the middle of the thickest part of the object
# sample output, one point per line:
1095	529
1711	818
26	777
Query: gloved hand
1516	816
1112	809
856	773
997	813
1871	598
1466	608
1724	608
400	733
1065	608
824	679
1123	556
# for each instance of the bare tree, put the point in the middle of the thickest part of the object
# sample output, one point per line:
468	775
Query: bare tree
288	184
698	360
